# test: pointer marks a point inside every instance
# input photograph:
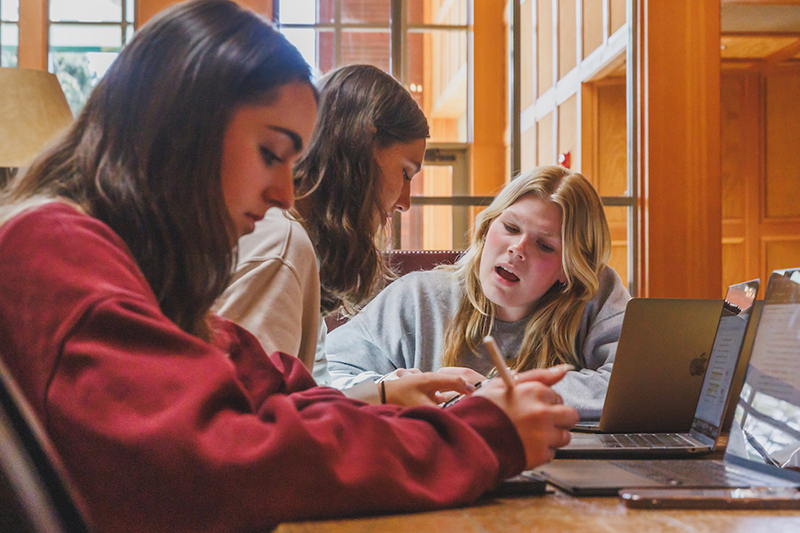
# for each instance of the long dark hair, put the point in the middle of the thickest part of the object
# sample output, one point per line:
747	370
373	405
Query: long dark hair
338	183
144	154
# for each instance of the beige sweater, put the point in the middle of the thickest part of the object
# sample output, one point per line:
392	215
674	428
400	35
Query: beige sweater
275	290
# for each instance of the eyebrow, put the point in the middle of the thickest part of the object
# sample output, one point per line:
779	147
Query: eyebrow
541	231
417	166
297	142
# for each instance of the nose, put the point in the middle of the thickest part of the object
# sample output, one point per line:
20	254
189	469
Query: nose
280	188
403	203
518	247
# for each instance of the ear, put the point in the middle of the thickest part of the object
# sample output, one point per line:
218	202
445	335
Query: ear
562	277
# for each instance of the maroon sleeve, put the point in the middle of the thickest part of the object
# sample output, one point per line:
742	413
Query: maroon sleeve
162	431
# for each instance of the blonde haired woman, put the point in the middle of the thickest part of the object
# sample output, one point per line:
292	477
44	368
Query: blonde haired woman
535	277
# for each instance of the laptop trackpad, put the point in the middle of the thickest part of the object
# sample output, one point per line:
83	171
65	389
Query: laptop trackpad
582	474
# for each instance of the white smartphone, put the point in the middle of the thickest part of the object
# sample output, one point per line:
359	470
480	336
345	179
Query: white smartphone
746	498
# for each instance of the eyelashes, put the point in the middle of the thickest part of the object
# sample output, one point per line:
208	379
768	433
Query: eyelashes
269	157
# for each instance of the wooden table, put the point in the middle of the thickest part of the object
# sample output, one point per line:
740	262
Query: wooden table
557	511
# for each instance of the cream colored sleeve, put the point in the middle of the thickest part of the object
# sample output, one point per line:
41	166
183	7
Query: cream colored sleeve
275	296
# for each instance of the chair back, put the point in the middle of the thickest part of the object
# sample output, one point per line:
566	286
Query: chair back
404	262
35	494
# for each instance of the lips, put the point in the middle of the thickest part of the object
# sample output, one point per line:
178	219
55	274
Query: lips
505	273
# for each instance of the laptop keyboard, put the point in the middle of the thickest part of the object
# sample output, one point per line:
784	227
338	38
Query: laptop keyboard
645	440
692	473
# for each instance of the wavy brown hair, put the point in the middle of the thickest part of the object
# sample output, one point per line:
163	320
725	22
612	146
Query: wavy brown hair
144	154
338	183
553	325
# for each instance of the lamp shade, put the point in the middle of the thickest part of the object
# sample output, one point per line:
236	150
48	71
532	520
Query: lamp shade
33	110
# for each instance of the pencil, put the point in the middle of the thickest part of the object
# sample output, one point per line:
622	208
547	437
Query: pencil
499	361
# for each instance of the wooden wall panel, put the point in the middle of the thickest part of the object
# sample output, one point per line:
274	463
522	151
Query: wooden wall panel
734	252
617	14
544	45
618	225
526	56
783	146
566	37
733	149
568	127
592	25
757	168
739	150
780	253
544	134
528	149
612	140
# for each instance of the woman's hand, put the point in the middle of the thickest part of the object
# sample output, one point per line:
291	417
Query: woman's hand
469	375
413	389
536	410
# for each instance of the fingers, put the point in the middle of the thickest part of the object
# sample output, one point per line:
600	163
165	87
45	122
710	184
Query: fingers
553	433
564	417
424	388
548	376
467	373
445	382
400	372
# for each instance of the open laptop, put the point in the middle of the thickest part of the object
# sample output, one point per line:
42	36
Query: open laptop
660	361
718	370
764	445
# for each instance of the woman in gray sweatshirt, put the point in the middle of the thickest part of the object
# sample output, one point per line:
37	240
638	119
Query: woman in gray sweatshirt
535	277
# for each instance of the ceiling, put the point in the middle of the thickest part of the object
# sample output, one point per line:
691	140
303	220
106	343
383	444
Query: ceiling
763	31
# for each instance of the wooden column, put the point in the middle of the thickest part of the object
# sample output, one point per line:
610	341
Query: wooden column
488	152
678	143
146	9
32	51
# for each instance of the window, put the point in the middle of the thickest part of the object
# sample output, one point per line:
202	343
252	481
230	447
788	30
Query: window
9	32
85	37
426	45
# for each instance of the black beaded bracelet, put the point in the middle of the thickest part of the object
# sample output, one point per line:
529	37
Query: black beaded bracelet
383	392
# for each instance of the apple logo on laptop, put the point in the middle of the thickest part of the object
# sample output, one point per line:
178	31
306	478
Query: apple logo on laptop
698	365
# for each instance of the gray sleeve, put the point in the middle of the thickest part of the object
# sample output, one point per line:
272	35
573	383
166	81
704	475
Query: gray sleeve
402	327
597	340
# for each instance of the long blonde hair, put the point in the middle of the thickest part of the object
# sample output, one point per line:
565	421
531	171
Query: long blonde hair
586	246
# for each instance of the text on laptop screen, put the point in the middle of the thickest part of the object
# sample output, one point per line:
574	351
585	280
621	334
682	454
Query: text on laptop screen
766	426
724	355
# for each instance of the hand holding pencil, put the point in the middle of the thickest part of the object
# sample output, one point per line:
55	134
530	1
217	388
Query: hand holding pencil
499	361
535	409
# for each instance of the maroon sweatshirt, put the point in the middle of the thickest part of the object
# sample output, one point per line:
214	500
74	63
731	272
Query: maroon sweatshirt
161	431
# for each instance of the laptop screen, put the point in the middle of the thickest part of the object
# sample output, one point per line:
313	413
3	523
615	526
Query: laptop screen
766	425
721	365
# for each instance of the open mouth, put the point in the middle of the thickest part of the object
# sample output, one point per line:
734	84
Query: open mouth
505	273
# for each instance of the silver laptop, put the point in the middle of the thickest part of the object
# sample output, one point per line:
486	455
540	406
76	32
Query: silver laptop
764	445
668	340
718	370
